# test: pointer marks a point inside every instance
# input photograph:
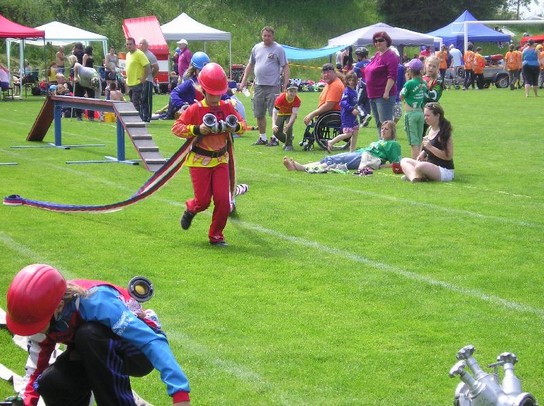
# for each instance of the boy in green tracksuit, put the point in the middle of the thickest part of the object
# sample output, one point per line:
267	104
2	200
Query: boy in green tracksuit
414	93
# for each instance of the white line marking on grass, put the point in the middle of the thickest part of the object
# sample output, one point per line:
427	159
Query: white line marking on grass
397	271
20	249
500	192
341	190
239	371
26	252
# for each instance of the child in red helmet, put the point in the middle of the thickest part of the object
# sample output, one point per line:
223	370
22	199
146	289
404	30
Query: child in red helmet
109	337
210	123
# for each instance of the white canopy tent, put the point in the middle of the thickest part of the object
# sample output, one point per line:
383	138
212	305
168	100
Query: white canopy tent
188	28
57	34
399	36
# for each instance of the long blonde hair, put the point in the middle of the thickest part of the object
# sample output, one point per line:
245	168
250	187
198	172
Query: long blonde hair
72	59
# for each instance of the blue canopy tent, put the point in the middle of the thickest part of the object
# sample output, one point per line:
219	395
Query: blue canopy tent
293	53
453	33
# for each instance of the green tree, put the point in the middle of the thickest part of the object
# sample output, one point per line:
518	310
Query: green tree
518	4
424	16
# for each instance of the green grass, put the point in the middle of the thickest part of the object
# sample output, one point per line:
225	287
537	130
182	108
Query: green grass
335	289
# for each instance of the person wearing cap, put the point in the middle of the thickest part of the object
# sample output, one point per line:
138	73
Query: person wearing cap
331	95
361	53
210	124
270	66
187	92
530	67
184	58
363	102
413	94
284	115
109	337
456	57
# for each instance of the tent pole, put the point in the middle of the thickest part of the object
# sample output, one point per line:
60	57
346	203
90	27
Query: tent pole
230	59
8	53
21	65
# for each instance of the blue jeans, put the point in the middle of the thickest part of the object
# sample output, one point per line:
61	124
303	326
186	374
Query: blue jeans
382	110
351	159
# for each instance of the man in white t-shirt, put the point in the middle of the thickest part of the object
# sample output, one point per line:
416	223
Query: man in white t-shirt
456	57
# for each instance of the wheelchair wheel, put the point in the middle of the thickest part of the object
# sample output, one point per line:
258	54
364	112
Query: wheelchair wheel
327	127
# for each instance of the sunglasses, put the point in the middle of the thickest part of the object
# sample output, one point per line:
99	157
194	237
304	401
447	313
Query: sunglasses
379	40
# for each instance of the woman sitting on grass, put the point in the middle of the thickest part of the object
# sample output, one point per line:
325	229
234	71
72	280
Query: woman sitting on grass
435	162
364	160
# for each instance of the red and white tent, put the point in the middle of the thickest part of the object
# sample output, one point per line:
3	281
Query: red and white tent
12	30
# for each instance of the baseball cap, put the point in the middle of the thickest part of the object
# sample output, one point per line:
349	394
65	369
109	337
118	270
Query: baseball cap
182	41
415	65
292	86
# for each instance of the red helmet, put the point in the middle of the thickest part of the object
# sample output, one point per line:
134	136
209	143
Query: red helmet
32	298
213	79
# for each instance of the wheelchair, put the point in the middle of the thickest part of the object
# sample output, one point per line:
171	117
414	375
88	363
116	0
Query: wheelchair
327	126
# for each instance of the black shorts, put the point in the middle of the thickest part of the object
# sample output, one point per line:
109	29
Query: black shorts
111	75
530	73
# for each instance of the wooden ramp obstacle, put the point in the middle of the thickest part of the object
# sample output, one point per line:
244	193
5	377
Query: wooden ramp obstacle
128	120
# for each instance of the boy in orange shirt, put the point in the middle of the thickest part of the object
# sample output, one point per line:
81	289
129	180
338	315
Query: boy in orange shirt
284	115
442	56
513	63
478	65
469	73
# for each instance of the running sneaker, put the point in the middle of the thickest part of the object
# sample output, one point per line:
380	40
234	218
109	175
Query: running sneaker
219	243
366	120
260	141
273	143
186	219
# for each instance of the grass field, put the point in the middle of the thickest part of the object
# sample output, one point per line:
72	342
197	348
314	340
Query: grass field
335	289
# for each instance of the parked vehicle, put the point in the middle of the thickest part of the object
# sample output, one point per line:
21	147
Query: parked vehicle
495	73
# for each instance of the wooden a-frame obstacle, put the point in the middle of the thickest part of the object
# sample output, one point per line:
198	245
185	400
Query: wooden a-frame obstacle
128	120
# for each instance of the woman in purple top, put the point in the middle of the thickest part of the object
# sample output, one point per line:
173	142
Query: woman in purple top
381	75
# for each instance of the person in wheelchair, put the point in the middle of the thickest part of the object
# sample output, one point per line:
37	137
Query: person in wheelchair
330	97
323	123
379	154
